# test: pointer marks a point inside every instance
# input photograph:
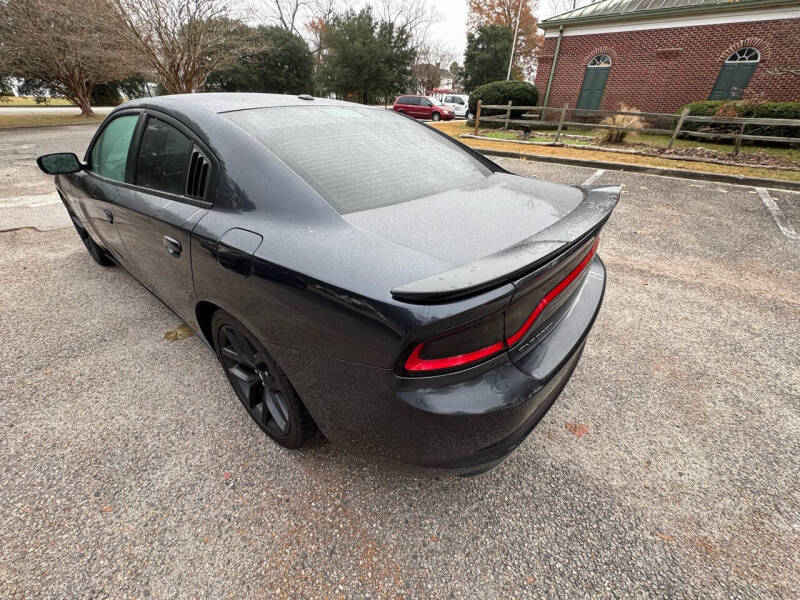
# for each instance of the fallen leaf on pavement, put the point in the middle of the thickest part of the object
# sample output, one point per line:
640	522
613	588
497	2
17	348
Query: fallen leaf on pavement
183	331
579	429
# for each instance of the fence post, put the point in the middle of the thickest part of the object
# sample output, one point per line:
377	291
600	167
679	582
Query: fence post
678	126
738	140
508	114
478	116
560	121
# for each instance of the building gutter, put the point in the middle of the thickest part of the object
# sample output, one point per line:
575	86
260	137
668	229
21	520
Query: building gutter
553	66
683	10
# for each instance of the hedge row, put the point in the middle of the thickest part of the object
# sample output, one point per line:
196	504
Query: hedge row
520	93
763	110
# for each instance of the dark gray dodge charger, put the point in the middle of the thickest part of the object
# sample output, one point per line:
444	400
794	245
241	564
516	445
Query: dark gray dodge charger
354	271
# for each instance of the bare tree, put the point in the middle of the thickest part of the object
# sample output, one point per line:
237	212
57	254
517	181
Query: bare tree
289	14
416	16
69	45
181	42
432	58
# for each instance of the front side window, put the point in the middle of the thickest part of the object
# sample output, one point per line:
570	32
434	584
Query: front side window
163	158
110	151
361	158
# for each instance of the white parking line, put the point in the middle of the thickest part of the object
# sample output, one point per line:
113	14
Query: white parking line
594	176
777	214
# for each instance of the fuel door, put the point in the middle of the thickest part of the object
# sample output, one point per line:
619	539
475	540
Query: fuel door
235	250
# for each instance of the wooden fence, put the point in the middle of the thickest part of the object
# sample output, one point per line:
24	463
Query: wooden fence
535	114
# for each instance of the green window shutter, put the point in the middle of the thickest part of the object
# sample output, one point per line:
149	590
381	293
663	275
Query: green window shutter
741	78
594	84
732	80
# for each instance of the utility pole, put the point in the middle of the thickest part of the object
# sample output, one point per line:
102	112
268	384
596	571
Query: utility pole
514	43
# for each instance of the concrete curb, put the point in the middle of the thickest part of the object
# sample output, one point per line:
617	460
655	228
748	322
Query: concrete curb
778	184
18	127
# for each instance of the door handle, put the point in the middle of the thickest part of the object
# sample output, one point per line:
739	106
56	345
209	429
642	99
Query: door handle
109	215
173	246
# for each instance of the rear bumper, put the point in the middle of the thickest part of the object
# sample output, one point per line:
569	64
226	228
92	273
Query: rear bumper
464	426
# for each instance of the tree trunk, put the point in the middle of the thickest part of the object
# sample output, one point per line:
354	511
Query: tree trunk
83	100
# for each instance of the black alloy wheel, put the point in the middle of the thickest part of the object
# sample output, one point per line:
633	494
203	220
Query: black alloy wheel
260	383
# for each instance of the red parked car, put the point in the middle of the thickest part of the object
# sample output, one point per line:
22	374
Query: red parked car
423	107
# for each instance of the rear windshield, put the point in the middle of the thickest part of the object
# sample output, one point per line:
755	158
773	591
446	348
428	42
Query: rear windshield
361	158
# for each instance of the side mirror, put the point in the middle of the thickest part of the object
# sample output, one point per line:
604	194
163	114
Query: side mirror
59	163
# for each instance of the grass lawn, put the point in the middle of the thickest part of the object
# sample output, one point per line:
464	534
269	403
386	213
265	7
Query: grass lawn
45	120
655	139
651	139
19	101
456	128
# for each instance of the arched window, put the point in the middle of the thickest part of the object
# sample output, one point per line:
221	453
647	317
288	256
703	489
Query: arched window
594	82
735	74
744	55
601	60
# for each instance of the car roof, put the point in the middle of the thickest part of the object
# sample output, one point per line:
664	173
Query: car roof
219	102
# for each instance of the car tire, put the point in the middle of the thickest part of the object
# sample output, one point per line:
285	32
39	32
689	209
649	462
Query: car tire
96	252
260	383
93	248
436	116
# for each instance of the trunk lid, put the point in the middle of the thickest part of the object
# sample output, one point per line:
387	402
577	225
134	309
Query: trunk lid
562	222
466	224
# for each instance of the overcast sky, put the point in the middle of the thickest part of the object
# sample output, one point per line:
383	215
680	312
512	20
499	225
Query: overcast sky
453	25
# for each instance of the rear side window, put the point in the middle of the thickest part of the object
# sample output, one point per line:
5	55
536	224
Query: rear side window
110	151
361	158
163	158
410	100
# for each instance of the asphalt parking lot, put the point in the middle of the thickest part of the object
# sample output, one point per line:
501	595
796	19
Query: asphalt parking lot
668	468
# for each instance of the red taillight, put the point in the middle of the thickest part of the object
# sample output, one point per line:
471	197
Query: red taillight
416	363
520	333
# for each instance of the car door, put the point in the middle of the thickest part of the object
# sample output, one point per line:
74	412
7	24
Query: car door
411	106
94	190
172	175
459	106
425	108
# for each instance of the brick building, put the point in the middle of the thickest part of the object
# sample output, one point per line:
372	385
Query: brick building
657	55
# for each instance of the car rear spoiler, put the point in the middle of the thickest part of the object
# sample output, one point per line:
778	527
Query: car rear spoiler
523	257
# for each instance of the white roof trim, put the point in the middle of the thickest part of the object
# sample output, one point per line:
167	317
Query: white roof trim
763	14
